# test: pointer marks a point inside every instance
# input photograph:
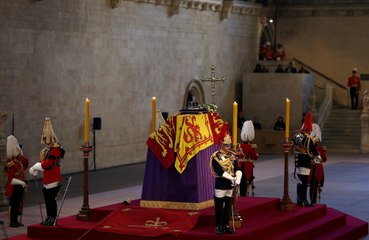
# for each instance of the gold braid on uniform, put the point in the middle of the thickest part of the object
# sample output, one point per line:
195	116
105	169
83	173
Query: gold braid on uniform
43	154
45	150
307	146
226	163
19	173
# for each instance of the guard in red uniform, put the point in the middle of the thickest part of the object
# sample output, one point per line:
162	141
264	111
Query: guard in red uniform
49	164
316	177
266	52
246	163
16	164
305	153
354	85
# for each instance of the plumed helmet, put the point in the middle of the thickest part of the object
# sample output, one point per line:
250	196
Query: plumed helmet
307	124
247	131
316	132
48	135
227	139
12	147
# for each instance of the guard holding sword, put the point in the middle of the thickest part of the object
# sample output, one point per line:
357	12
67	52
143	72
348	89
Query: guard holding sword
16	186
227	175
49	164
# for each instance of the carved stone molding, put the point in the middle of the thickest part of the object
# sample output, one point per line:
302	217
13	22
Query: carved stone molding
156	2
226	8
209	5
315	11
114	3
174	7
246	9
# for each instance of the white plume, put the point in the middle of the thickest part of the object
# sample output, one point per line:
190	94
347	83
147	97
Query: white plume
248	131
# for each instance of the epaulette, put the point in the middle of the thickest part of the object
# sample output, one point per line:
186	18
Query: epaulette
10	163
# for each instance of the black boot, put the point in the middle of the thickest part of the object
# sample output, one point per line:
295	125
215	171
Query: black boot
15	225
228	229
49	221
304	203
46	220
219	230
218	207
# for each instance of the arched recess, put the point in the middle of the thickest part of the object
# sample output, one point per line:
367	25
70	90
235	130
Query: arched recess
268	34
195	92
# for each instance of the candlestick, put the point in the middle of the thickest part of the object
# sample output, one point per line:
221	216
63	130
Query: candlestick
153	117
234	127
287	119
87	120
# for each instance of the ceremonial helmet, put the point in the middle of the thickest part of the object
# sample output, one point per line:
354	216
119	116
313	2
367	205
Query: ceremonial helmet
316	133
12	147
224	136
307	124
247	131
227	140
48	135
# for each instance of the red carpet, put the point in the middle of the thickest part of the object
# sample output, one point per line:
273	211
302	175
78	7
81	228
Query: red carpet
262	220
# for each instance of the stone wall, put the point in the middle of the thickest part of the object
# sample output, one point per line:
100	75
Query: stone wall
332	40
265	97
54	54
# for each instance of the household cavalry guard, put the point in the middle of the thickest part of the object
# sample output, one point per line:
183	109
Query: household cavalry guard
16	165
49	164
246	163
305	153
316	177
227	175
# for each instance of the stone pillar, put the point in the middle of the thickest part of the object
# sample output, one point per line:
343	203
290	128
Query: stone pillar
3	200
365	124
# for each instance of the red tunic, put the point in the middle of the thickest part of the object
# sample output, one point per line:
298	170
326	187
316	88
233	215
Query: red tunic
319	169
51	166
249	154
353	81
15	169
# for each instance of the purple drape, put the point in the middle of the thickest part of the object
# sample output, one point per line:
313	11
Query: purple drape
195	184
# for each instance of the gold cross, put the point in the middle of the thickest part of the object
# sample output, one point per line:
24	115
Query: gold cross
213	79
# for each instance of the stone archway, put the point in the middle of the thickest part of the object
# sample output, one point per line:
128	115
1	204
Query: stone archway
195	92
267	35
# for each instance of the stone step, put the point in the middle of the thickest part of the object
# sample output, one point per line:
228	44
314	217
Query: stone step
342	131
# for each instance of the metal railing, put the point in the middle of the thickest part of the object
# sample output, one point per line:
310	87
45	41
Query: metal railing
326	106
328	79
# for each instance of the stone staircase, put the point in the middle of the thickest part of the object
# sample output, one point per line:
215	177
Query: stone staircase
342	131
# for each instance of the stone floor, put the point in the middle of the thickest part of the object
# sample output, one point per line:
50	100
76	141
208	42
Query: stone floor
346	187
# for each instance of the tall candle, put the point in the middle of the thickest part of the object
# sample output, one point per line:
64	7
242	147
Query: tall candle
287	119
234	125
153	117
87	120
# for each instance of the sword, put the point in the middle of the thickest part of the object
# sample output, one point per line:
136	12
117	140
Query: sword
39	200
232	206
318	193
61	205
25	191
